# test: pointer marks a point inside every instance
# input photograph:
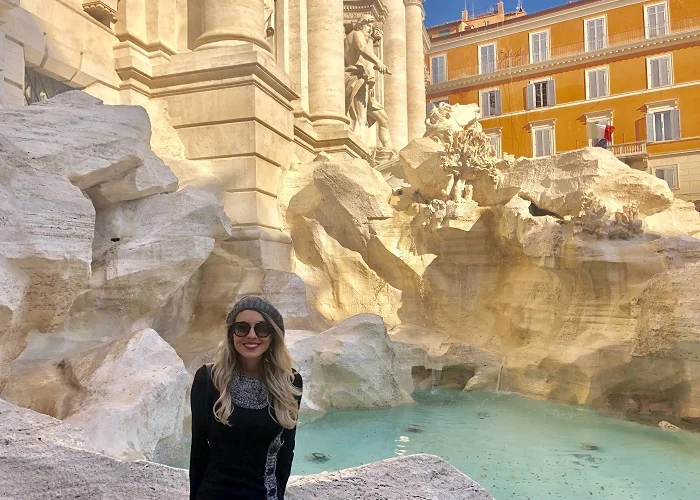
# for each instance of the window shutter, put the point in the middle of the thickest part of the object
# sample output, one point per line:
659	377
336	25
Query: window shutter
664	69
650	127
676	124
547	142
485	108
539	143
654	73
590	29
499	108
661	19
602	83
592	84
551	96
530	96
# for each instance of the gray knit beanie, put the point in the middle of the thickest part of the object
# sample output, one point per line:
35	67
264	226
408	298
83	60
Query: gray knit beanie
255	303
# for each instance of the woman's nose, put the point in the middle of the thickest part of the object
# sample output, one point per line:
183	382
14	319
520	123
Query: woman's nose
251	332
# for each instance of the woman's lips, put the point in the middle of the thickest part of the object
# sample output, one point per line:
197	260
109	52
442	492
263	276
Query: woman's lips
251	346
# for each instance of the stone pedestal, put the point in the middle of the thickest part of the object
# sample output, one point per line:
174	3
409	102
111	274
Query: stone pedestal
236	124
395	98
326	63
226	22
415	72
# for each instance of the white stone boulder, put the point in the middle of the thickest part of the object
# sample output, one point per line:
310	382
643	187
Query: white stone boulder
127	396
352	365
345	197
45	248
419	477
562	183
42	457
422	167
76	136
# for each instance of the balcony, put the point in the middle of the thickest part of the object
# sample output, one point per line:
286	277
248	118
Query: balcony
630	150
508	61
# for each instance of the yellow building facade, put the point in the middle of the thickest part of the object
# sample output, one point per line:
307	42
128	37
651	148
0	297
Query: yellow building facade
542	80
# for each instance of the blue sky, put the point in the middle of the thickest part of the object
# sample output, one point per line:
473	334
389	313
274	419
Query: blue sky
441	11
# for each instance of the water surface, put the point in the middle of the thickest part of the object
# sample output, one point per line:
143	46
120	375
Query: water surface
513	446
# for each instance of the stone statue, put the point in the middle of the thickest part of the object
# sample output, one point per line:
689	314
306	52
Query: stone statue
361	104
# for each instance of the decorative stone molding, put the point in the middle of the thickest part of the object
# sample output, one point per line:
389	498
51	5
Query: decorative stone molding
104	11
353	10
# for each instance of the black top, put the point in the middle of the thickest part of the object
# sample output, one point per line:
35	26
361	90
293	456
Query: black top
249	460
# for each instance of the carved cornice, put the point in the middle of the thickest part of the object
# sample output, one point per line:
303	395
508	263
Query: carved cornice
354	9
105	11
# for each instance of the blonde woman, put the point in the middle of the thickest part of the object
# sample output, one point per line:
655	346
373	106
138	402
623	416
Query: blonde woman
245	409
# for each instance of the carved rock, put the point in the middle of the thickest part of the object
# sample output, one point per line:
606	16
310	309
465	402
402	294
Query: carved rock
352	365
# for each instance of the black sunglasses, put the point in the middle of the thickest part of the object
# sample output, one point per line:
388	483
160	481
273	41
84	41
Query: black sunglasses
262	329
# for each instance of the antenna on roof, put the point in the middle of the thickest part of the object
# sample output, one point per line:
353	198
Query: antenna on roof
520	5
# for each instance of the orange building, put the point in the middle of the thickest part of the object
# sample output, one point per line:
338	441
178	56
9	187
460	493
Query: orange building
543	79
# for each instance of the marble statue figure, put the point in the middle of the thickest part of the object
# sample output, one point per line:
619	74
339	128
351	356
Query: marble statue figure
361	104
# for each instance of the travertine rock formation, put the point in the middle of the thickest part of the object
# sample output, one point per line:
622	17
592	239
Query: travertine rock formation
128	396
41	457
352	365
45	249
547	276
98	248
419	477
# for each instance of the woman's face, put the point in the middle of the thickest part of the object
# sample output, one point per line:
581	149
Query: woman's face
251	346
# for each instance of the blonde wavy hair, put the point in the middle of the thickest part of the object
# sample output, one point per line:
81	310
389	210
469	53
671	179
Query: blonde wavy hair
277	376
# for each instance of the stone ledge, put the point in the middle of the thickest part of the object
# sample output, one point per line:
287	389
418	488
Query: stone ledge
41	457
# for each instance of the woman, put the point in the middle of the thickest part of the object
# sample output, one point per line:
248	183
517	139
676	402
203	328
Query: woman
245	410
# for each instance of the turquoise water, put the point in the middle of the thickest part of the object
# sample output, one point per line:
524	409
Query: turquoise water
513	446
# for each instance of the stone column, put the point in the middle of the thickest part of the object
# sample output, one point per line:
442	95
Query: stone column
326	39
395	92
415	70
226	22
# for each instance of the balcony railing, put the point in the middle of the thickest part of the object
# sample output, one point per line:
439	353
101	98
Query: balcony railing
629	149
508	60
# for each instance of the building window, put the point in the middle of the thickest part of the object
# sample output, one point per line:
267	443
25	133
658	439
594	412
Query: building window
443	32
543	141
434	104
541	94
39	87
595	128
669	174
663	125
491	102
595	34
487	58
656	20
659	72
539	47
597	83
438	69
495	138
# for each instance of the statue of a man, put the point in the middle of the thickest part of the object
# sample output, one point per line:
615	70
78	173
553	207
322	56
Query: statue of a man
361	105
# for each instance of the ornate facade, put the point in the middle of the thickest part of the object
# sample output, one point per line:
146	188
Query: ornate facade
242	88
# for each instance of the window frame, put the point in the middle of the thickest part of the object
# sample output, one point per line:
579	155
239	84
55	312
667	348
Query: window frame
607	82
646	19
587	40
548	54
495	58
662	107
552	135
598	117
668	56
432	74
674	168
481	101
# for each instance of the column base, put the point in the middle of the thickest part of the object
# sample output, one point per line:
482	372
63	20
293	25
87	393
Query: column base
217	39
